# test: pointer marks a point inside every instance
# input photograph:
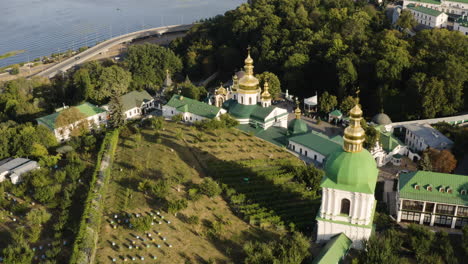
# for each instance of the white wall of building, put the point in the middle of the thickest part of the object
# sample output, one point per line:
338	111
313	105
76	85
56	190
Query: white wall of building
449	7
429	20
415	142
247	98
307	152
462	29
360	214
169	112
63	133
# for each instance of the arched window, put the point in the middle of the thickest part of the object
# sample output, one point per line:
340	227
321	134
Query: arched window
250	100
345	205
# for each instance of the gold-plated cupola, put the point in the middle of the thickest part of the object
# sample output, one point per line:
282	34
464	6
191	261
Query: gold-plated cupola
354	134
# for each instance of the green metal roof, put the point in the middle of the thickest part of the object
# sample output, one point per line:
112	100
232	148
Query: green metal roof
317	142
135	99
334	251
407	183
241	111
297	126
354	172
434	2
388	140
86	108
185	104
336	113
425	10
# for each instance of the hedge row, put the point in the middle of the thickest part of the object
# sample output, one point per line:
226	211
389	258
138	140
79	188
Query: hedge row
86	240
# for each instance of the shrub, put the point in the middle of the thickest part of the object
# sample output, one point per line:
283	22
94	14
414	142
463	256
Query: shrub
177	118
174	206
15	69
193	220
210	188
194	194
142	223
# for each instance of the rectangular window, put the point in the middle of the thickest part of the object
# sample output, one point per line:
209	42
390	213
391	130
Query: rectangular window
429	208
443	220
410	216
461	222
462	211
445	209
413	205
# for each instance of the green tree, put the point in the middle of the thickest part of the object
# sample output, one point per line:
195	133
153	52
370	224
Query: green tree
443	248
189	90
464	244
347	103
406	19
142	223
114	81
83	85
327	102
210	188
68	117
116	114
274	84
175	206
15	69
420	240
379	249
18	251
148	64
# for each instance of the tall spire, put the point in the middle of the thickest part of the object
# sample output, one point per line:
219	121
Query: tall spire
354	134
297	112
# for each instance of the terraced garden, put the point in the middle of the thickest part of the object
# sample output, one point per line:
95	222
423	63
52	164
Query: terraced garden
259	200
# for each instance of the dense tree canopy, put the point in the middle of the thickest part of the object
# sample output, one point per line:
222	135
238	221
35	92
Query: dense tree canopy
336	46
148	64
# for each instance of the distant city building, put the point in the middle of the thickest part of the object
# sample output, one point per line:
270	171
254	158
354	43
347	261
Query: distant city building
430	198
94	116
422	136
190	109
13	168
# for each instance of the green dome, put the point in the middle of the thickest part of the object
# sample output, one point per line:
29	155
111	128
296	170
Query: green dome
354	172
297	126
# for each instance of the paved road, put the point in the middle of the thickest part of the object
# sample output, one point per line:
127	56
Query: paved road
106	45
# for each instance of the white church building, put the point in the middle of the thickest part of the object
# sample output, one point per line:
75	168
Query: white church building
348	202
246	102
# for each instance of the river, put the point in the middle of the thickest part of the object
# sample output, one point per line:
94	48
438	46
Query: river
43	27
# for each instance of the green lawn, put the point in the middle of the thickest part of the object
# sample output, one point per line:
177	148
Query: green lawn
184	152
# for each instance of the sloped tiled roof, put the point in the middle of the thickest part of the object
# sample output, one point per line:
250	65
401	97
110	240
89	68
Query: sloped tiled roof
241	111
317	142
86	108
185	104
135	99
457	183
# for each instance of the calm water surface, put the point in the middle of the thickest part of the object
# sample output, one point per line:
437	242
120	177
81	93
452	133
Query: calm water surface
42	27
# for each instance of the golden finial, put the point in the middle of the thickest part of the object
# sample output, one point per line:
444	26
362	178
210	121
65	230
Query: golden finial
297	112
266	94
354	134
248	63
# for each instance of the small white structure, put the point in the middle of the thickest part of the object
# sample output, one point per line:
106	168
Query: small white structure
94	116
14	168
428	16
419	137
311	103
191	110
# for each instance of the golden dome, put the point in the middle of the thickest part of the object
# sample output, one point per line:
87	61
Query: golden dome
221	90
354	134
266	95
297	112
248	81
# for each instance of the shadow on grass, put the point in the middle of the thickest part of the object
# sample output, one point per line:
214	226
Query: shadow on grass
290	206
